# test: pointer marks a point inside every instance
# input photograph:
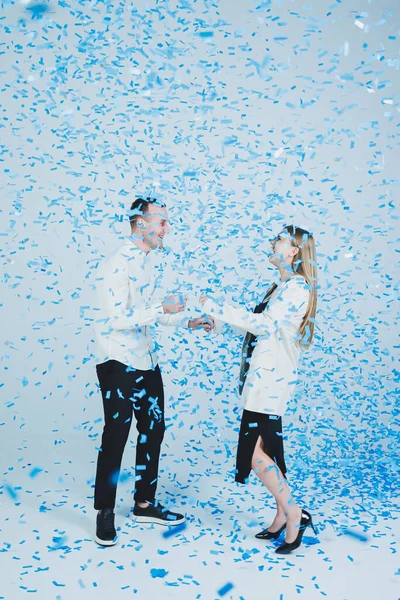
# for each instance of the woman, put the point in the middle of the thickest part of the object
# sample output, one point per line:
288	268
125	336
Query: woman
277	330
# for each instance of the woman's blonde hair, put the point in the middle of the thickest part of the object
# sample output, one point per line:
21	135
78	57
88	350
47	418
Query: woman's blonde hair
305	264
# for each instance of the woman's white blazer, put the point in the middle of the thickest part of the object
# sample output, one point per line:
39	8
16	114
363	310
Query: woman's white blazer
272	375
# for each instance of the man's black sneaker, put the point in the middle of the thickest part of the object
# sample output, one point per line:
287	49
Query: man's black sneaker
156	513
105	530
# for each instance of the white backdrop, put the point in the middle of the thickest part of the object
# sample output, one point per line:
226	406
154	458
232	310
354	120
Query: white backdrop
241	116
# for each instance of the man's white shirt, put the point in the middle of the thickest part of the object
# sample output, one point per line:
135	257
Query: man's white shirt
127	304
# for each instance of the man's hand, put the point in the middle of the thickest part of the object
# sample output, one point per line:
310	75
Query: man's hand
207	323
174	304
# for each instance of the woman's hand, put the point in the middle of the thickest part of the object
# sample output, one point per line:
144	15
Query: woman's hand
203	298
174	304
206	323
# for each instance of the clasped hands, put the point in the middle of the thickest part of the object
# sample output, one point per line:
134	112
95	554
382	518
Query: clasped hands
177	303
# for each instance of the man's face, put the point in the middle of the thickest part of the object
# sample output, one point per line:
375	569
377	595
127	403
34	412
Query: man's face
155	226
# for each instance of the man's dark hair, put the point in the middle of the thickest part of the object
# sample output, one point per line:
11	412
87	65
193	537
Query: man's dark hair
140	207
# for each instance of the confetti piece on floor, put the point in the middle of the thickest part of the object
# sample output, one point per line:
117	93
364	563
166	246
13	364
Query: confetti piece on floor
174	530
356	535
11	492
35	471
225	589
161	573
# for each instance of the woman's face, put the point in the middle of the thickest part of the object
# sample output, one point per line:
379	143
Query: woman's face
283	251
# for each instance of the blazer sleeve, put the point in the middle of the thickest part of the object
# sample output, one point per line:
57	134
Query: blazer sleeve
112	295
219	327
180	319
282	312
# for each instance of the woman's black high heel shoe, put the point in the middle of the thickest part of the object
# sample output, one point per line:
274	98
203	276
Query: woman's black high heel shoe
269	535
305	521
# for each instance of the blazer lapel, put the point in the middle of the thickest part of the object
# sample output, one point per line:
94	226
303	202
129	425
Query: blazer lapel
250	341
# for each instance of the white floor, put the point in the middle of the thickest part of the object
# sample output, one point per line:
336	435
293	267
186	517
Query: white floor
48	549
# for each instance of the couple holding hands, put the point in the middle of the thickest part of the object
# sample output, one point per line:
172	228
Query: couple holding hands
131	383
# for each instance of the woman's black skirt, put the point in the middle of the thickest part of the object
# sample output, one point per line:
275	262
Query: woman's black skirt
254	425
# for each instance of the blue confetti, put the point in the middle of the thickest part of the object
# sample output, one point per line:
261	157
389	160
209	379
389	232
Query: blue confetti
38	9
174	530
158	573
356	535
35	471
225	589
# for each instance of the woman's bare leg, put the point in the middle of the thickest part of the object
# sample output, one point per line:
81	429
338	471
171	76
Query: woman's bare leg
279	520
271	476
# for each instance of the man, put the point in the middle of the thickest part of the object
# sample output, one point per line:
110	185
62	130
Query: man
129	376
